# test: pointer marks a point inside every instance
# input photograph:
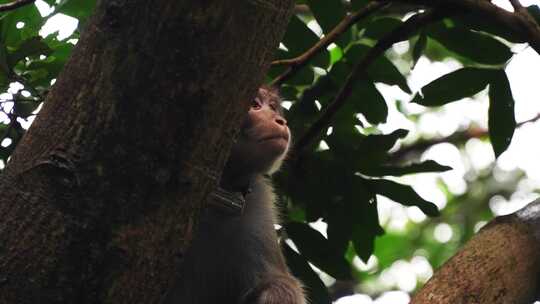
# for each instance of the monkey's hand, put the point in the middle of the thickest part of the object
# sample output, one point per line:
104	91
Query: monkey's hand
276	289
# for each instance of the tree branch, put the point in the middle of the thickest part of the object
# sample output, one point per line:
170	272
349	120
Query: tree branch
297	63
14	5
403	32
521	22
456	138
517	6
503	255
532	27
301	9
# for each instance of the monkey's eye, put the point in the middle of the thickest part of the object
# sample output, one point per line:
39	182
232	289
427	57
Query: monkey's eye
256	104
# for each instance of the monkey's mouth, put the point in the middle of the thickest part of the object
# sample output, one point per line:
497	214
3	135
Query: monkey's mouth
276	136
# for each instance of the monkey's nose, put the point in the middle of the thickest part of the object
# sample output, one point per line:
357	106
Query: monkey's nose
281	121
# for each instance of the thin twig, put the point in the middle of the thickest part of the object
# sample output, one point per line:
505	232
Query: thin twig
456	138
14	5
399	34
517	6
21	99
532	27
301	9
12	122
297	63
343	26
22	80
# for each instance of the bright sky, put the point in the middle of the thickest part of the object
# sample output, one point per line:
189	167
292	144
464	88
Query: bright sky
524	152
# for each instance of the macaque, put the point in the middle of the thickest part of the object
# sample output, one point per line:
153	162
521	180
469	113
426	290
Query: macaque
235	257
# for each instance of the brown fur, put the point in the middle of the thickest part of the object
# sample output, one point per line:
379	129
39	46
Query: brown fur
236	259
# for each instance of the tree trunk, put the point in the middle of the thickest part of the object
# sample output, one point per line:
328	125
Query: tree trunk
497	266
100	198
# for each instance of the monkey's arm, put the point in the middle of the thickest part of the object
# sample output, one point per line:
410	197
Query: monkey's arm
279	288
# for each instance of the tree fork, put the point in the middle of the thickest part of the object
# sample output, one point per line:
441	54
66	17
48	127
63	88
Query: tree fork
100	197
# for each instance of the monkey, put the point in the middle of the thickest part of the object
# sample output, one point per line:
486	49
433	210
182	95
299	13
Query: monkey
235	257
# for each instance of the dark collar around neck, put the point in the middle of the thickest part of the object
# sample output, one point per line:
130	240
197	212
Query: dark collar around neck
232	203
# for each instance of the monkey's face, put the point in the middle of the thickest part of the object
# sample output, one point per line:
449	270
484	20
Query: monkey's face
264	138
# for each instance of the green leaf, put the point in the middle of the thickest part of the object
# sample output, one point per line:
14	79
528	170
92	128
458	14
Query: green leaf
364	242
353	215
41	72
502	122
38	77
355	53
339	73
14	132
340	228
384	142
57	59
328	13
454	86
33	46
419	47
323	170
24	109
369	151
381	27
303	77
366	228
299	38
366	150
476	46
315	289
4	68
534	10
423	167
403	194
336	54
313	245
370	102
305	110
77	8
381	70
490	26
358	4
10	35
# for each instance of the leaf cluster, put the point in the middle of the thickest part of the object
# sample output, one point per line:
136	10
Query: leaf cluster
342	163
32	62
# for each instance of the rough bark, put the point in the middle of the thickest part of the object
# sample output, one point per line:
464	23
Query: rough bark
100	198
497	266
